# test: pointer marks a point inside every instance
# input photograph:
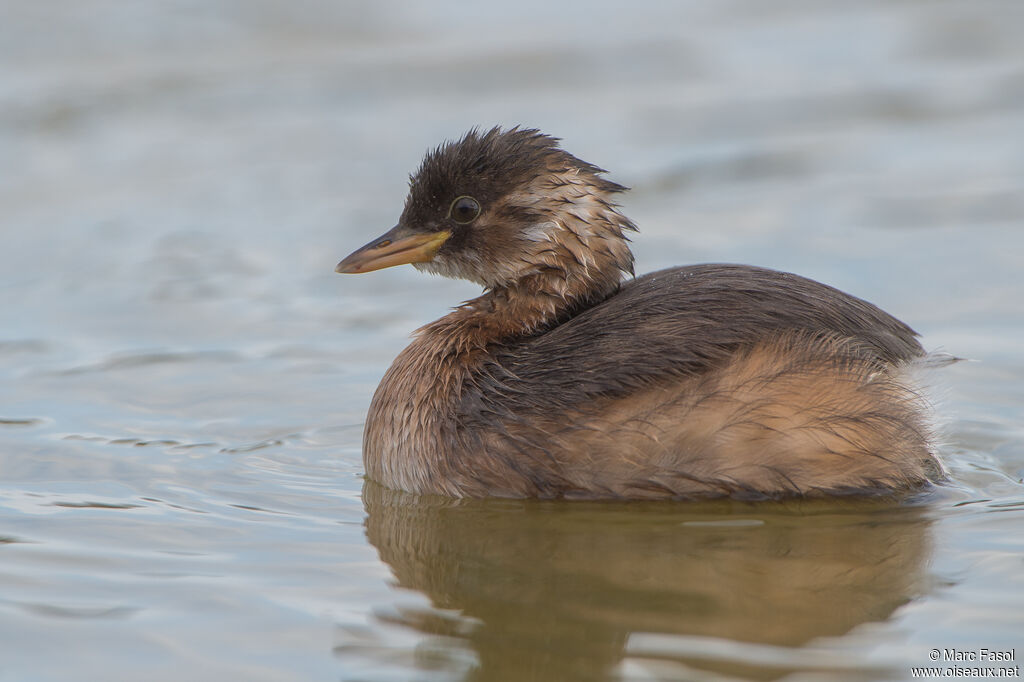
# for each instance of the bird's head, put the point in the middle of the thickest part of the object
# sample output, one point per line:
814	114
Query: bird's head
505	207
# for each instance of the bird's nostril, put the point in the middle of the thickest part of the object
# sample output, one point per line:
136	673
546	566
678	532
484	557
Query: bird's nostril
382	243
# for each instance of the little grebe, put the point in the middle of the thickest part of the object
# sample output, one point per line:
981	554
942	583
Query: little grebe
563	381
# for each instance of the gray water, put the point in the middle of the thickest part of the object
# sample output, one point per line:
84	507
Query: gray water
183	378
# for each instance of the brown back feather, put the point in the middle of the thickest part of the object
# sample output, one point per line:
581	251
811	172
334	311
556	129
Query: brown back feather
678	322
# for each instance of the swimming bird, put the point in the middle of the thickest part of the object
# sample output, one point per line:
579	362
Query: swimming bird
568	378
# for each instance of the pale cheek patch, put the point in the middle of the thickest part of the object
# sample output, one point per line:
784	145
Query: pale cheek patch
586	226
542	232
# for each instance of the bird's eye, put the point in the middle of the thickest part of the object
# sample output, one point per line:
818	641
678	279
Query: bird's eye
464	210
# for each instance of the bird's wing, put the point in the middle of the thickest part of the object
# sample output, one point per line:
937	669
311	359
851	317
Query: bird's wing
677	322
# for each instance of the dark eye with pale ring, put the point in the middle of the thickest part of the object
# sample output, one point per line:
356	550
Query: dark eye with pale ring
464	210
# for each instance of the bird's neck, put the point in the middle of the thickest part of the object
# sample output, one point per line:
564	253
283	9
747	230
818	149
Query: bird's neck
573	263
411	425
528	307
411	433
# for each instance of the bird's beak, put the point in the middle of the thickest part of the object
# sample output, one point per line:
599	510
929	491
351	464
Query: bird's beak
398	246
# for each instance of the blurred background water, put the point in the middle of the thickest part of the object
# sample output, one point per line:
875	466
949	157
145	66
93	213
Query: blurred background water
183	379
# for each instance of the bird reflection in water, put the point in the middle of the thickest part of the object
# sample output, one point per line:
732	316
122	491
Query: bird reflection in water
563	591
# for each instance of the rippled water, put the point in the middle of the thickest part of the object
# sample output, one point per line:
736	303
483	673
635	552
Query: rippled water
183	379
